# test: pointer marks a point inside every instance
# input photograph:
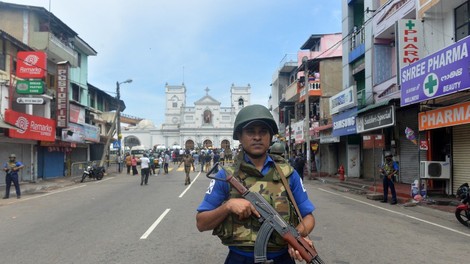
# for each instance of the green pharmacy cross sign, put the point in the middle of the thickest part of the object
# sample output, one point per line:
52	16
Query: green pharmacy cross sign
30	87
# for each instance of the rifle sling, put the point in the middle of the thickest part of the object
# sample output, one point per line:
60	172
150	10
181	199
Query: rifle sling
289	192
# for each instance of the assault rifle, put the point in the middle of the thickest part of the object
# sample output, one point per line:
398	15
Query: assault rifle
271	221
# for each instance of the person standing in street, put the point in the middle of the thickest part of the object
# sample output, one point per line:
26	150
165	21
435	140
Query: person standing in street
299	165
11	168
128	163
388	171
188	164
234	219
144	169
134	165
167	161
161	162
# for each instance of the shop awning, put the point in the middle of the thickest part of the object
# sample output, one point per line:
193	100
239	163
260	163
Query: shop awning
373	106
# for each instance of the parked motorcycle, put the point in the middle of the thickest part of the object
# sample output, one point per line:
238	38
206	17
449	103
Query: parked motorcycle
463	210
94	172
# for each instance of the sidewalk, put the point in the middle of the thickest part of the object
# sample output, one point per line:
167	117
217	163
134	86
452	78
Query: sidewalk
374	191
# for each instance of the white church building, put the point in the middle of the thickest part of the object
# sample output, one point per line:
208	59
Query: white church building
207	124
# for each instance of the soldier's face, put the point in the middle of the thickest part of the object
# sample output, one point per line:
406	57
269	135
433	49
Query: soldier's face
255	139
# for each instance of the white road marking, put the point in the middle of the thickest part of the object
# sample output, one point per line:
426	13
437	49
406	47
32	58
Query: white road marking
398	213
189	186
154	225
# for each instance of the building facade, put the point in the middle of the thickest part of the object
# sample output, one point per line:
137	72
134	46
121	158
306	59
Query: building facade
404	71
51	116
207	124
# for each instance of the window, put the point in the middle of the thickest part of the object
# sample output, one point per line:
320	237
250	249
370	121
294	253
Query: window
75	92
461	21
175	102
241	103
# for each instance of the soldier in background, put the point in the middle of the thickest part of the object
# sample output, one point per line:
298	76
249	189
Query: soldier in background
11	168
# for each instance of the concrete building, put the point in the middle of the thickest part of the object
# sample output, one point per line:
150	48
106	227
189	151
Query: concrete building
207	124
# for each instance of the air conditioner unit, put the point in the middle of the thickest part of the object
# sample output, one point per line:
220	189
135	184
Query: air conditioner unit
435	170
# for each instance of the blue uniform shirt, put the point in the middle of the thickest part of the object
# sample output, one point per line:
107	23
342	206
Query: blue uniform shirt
17	164
219	191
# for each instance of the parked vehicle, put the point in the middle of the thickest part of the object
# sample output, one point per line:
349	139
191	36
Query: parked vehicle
462	212
94	172
139	152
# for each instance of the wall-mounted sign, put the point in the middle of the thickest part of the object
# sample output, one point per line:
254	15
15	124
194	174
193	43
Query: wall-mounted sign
452	115
62	100
441	73
30	127
30	100
345	123
31	64
381	118
410	41
30	87
343	100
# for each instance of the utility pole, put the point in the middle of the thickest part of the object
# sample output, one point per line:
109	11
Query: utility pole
118	121
307	115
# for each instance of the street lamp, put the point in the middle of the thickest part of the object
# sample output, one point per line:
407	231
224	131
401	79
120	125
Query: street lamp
307	113
118	116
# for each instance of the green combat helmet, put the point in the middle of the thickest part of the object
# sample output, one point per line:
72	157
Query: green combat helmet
254	113
277	148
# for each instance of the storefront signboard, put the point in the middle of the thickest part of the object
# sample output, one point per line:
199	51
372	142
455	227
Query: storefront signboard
453	115
381	118
345	123
442	73
30	127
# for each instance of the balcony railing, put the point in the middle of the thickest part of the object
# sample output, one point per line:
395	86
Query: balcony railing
361	98
56	49
357	38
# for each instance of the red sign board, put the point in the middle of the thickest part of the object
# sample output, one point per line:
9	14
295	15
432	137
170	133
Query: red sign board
30	127
31	64
373	141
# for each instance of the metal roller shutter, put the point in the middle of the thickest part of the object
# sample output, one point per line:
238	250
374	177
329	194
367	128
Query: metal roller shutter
408	151
460	156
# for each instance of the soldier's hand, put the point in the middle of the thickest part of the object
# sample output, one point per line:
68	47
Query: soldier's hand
242	207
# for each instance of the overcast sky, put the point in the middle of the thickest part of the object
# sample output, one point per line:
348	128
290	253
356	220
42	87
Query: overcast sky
205	43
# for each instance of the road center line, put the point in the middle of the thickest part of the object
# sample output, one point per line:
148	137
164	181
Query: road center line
398	213
189	186
154	225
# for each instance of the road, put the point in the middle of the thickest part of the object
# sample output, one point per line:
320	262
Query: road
116	220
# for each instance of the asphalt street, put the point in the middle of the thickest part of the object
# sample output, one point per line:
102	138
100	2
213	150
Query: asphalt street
116	220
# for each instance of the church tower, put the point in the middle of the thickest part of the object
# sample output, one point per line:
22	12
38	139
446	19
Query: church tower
240	97
175	101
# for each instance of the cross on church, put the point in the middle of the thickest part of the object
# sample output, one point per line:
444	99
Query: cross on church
429	85
207	90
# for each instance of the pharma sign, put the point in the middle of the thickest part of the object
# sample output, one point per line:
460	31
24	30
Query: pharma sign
453	115
442	73
410	41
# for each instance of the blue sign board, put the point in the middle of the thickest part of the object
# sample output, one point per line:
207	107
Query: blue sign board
116	144
442	73
345	123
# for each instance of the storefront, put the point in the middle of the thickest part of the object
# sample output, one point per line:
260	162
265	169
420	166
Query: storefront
376	121
436	83
344	127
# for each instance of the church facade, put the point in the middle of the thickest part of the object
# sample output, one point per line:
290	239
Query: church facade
207	124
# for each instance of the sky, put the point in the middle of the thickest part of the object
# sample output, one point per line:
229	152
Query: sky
203	43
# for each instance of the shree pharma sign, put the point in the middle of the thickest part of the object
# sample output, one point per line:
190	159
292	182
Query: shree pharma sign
442	73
